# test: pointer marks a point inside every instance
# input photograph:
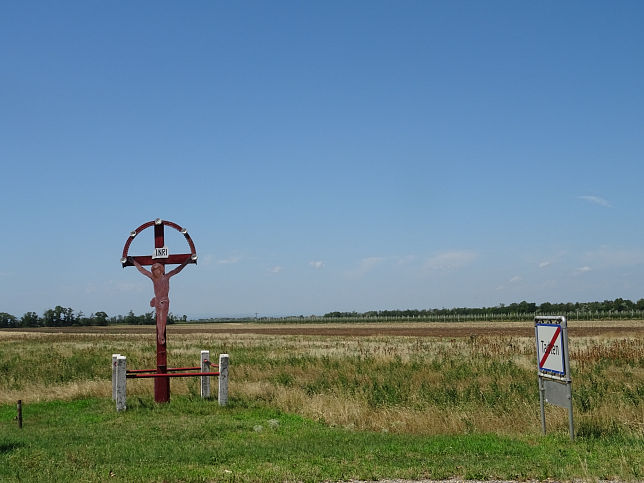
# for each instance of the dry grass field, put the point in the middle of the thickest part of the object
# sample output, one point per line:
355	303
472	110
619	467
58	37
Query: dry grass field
422	378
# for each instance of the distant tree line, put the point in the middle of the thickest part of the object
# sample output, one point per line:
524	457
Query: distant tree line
618	305
67	317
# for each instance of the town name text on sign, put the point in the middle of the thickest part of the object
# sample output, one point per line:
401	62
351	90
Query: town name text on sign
550	353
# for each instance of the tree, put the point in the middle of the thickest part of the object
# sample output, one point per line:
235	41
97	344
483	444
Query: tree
100	318
130	318
67	315
30	319
50	318
7	320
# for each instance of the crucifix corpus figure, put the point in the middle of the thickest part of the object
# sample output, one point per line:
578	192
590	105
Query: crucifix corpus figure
161	282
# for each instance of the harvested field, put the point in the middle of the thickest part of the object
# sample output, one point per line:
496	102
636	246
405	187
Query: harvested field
423	378
420	329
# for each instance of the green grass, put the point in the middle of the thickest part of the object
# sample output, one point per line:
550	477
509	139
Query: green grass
195	440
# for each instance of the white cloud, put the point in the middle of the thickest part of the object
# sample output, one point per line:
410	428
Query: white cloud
137	286
317	264
370	262
607	257
545	264
451	260
596	200
583	269
405	260
276	269
366	265
230	260
513	280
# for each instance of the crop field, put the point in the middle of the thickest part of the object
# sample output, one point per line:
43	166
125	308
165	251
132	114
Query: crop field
423	381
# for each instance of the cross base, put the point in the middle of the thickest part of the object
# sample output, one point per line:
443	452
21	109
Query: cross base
162	384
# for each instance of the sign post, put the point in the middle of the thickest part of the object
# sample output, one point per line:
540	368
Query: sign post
553	365
161	281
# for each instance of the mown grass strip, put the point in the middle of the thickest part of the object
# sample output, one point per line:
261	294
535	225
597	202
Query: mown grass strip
194	440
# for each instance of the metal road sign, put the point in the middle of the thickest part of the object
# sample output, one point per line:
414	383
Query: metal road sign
550	348
555	385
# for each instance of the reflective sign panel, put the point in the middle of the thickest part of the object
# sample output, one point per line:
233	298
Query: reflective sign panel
550	350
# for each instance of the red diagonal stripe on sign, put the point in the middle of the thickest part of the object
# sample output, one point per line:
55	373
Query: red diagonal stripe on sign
549	348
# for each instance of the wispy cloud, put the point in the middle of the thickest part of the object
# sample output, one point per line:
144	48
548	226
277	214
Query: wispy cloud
137	286
230	260
553	259
595	200
276	269
512	282
583	269
405	260
366	265
317	264
608	257
451	260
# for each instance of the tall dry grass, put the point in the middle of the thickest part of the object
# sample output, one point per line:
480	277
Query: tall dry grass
395	384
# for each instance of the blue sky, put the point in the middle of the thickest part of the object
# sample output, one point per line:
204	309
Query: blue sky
323	155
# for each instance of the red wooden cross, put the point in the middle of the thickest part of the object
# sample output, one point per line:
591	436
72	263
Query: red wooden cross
161	255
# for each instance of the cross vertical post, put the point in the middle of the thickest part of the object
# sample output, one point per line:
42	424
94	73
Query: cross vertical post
161	384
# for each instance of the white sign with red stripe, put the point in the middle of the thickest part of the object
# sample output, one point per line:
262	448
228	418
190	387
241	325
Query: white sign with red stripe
550	349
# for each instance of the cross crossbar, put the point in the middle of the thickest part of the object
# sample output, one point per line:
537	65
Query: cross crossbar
159	242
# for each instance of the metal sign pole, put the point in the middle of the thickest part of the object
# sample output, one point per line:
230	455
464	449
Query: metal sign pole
542	390
571	425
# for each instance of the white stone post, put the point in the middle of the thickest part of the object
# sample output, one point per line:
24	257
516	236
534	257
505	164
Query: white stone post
205	380
121	371
114	356
223	379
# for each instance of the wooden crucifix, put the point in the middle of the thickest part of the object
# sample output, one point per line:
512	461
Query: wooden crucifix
161	282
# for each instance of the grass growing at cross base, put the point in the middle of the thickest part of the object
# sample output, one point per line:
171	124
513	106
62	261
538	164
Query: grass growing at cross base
195	440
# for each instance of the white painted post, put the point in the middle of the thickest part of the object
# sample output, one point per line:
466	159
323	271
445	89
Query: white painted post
121	370
114	357
223	379
205	380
